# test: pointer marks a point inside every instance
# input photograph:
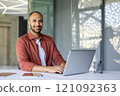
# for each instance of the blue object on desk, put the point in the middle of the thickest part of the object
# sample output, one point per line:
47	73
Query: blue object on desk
98	67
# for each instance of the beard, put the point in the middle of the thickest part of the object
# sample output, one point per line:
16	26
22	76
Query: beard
32	28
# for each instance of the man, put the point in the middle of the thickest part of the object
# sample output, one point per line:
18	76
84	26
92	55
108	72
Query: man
36	51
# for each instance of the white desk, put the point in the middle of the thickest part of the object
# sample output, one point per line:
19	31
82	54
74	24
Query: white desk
107	75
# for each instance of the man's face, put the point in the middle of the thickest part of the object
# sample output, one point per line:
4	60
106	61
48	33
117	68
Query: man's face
36	22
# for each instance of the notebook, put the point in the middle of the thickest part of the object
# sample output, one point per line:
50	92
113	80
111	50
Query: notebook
78	61
6	73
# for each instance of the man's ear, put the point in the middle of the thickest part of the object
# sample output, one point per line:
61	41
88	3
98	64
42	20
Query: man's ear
28	22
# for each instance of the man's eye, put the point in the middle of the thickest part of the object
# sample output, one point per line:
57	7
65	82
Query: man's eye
34	20
40	20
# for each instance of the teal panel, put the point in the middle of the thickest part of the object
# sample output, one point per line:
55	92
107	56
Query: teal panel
46	8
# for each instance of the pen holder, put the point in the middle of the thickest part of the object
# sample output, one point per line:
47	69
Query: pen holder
98	67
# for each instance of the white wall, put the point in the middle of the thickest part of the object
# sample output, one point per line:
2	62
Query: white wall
68	37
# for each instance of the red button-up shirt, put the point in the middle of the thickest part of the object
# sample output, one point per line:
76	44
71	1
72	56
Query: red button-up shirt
28	54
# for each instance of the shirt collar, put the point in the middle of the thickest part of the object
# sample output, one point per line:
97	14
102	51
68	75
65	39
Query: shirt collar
33	38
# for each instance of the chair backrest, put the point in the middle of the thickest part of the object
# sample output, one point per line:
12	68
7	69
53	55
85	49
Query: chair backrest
18	65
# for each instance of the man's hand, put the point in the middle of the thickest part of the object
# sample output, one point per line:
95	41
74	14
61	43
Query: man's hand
55	69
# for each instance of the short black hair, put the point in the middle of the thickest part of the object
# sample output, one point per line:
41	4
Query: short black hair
35	12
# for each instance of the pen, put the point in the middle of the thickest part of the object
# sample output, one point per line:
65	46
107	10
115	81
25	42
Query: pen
40	75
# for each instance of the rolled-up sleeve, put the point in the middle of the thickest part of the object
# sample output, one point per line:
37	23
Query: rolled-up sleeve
23	56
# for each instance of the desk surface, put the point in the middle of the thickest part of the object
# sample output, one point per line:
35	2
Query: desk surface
107	75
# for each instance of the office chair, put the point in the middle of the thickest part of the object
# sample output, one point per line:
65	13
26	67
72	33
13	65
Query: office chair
18	65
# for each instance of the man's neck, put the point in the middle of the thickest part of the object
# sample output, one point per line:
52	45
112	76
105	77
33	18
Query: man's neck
36	35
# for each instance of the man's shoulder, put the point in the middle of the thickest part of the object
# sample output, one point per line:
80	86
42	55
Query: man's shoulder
24	37
47	37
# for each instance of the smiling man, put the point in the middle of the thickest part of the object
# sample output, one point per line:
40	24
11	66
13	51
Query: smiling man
36	51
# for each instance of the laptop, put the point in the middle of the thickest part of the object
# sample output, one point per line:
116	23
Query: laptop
78	61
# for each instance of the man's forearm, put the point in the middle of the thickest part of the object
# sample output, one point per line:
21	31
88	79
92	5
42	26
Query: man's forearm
37	68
